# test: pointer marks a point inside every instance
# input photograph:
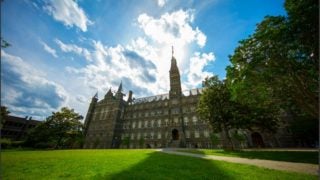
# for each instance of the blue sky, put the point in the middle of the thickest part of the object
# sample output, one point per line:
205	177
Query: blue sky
63	52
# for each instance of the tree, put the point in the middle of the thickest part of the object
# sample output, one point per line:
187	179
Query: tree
4	113
224	113
141	142
216	106
4	43
63	129
277	66
126	141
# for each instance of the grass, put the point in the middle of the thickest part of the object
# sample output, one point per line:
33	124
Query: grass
126	164
289	156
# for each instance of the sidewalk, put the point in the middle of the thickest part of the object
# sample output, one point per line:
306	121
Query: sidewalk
277	165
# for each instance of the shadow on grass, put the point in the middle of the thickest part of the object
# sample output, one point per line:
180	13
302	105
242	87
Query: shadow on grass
164	166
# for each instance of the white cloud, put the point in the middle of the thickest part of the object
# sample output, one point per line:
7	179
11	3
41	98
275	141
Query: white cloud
196	73
27	89
174	28
161	3
143	64
112	64
49	49
74	48
68	12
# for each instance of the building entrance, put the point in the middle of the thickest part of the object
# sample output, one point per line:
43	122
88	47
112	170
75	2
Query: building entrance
257	140
175	134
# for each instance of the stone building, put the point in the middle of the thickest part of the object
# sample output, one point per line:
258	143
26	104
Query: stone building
16	128
167	120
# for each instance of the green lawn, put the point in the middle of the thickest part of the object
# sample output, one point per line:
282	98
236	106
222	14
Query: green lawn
289	156
126	164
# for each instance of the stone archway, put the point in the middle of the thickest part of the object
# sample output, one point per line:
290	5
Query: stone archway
175	134
257	140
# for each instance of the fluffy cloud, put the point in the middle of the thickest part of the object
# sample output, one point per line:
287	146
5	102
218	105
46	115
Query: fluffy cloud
143	64
196	73
174	28
69	13
111	65
27	91
74	48
161	3
49	49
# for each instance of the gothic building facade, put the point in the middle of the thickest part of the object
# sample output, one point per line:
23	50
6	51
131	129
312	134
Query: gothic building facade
168	120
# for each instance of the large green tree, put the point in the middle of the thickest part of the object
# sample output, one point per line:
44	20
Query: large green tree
63	129
225	114
277	66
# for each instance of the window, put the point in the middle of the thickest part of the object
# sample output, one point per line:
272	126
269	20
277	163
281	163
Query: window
185	119
138	136
159	123
175	111
192	109
196	134
132	136
159	135
152	123
166	122
187	134
194	119
206	133
139	125
146	124
176	120
133	125
151	135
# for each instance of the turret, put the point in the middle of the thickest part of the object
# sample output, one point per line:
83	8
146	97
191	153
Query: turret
90	112
119	94
109	95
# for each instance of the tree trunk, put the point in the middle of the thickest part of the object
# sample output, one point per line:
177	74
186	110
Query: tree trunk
229	145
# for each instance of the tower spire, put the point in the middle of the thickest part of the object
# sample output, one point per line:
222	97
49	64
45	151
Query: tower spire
175	84
120	87
96	95
172	50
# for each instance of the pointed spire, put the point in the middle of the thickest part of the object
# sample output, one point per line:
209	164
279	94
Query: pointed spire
120	87
109	92
172	51
96	95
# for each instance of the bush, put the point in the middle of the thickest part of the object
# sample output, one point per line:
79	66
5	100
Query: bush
5	143
8	143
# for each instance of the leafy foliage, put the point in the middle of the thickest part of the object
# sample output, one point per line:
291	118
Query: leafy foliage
277	66
4	113
224	113
62	129
215	140
126	141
